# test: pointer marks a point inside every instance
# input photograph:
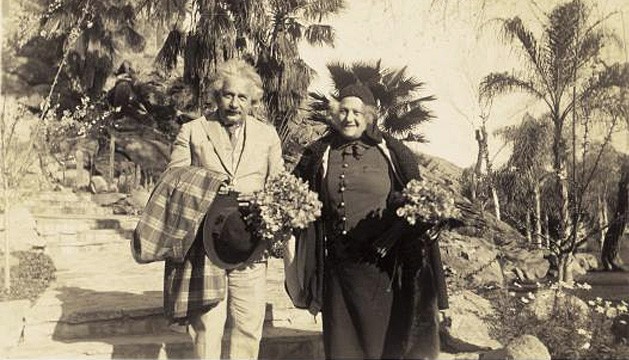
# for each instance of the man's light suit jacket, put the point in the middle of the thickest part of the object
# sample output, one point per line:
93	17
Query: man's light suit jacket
257	154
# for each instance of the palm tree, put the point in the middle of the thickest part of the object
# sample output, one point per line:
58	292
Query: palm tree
267	33
559	73
525	171
98	30
400	109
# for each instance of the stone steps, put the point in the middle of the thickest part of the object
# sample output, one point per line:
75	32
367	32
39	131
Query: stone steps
277	343
105	305
52	224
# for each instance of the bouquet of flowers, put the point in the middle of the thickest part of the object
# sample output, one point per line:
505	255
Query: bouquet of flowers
286	203
425	207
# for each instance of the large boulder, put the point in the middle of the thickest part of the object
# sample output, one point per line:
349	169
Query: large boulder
547	302
524	347
586	261
465	329
470	260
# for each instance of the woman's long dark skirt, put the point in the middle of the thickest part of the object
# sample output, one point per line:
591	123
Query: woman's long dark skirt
356	310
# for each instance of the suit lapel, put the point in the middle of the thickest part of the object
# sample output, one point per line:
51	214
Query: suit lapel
220	142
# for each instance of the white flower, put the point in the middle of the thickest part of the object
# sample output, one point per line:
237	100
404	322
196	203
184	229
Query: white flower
531	296
591	303
599	309
511	293
582	332
524	300
585	346
622	308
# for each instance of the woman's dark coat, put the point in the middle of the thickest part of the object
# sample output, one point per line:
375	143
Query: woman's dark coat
418	284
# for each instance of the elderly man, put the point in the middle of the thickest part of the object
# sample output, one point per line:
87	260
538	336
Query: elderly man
246	151
373	307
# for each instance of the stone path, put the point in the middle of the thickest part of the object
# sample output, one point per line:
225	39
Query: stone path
104	305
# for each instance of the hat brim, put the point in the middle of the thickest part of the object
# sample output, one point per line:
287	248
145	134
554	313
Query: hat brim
212	254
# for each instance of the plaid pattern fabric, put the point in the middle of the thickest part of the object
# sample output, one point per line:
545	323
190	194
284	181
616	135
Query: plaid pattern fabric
192	286
173	214
168	230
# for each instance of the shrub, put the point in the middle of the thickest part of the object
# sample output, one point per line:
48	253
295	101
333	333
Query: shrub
30	277
566	333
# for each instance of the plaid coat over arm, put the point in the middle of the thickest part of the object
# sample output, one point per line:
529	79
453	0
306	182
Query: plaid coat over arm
173	214
168	230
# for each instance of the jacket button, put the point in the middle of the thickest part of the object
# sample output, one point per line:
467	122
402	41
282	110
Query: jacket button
342	176
345	165
344	232
342	204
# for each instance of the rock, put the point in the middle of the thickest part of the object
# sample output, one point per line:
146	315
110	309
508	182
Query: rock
489	275
524	265
548	301
470	259
587	261
465	330
620	328
524	347
99	185
458	356
107	199
577	268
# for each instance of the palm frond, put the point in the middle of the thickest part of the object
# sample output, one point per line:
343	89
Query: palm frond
514	29
401	124
317	10
132	38
611	78
165	10
368	73
501	83
341	75
171	49
320	35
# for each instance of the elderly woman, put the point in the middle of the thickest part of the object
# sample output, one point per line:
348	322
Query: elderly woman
234	144
373	307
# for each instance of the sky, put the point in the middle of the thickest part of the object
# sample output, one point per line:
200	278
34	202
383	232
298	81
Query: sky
450	45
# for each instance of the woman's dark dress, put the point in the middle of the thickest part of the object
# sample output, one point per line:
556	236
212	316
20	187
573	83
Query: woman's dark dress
357	298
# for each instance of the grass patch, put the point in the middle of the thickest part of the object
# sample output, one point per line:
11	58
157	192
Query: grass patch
29	278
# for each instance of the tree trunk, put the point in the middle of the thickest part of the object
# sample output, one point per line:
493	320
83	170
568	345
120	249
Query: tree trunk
7	240
561	178
603	220
538	214
4	169
565	272
112	159
529	236
483	159
547	233
610	254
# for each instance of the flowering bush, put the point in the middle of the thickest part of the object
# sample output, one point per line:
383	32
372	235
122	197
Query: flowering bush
284	204
568	330
425	202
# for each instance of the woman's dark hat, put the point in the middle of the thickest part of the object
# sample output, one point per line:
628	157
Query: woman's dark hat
227	240
360	91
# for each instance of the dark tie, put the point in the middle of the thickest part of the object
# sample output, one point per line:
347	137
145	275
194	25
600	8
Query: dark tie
231	130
